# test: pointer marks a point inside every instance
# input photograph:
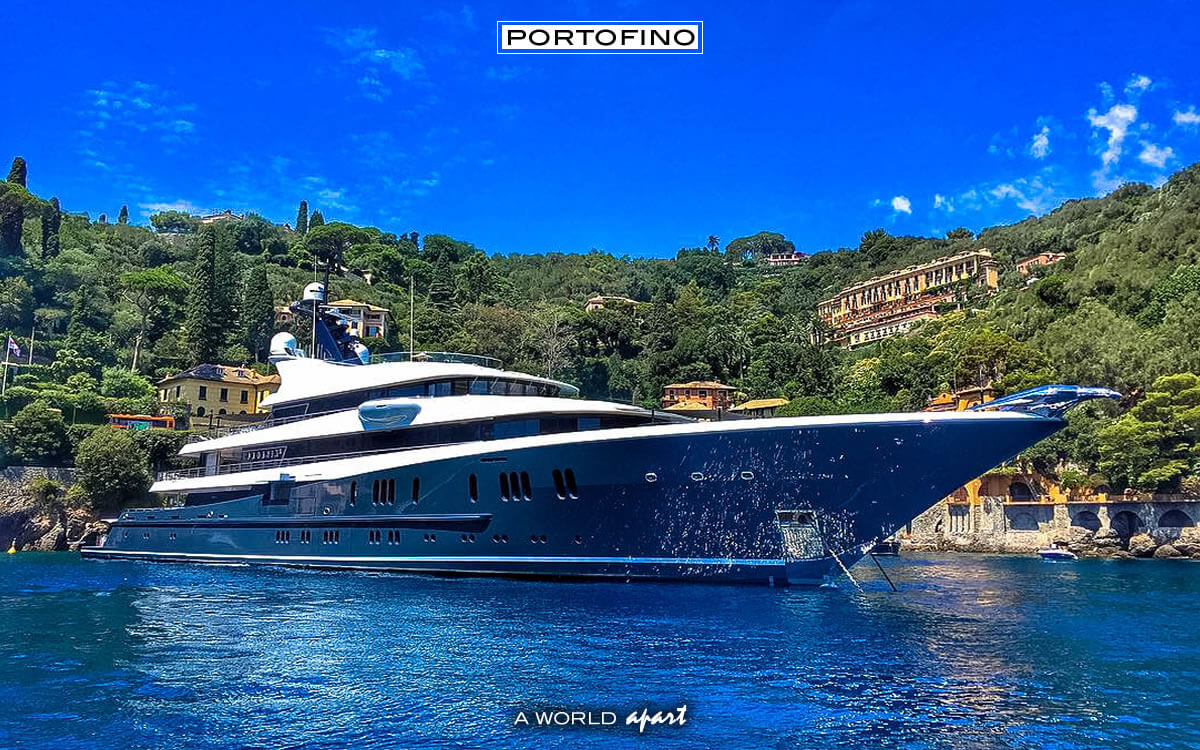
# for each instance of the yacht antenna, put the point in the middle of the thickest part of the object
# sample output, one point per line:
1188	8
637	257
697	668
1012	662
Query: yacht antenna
410	318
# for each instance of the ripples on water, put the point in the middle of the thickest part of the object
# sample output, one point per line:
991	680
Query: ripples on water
975	652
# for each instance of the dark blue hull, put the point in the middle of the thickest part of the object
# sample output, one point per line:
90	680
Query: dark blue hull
695	506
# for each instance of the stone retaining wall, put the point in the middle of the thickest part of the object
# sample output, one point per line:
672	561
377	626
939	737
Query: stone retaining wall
1165	526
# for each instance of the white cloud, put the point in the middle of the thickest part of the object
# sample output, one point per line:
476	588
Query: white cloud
1154	155
362	49
900	204
1032	194
1116	121
943	202
187	207
1138	83
1189	118
1040	145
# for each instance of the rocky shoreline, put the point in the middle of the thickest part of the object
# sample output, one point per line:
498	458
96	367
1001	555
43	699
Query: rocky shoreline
33	520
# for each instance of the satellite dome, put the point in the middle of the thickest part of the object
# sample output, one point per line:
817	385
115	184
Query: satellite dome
284	345
315	290
363	353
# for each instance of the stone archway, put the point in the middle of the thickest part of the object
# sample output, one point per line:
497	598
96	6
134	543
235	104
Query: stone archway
1175	519
1020	492
1125	524
1086	519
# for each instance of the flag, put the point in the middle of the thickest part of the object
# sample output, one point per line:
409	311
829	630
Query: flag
12	346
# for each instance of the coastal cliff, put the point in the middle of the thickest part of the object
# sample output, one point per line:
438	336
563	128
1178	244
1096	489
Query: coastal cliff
33	514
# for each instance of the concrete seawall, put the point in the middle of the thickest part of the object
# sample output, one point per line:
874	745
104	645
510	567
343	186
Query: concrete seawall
1161	526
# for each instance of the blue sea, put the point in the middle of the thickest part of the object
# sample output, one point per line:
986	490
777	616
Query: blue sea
972	652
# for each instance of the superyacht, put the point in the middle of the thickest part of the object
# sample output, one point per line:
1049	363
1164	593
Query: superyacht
449	464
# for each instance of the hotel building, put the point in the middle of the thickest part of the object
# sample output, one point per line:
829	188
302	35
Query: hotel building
891	304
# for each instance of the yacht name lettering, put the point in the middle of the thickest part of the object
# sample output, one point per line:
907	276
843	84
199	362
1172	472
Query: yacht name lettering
265	454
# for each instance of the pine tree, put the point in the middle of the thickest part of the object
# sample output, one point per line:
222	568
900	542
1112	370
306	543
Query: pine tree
123	217
302	218
203	323
17	174
51	221
258	310
441	287
315	220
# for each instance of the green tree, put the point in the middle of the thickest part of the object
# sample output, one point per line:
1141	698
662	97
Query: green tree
123	216
302	219
174	222
118	382
317	219
51	224
18	173
205	316
759	246
155	294
40	436
477	281
110	471
1157	443
258	311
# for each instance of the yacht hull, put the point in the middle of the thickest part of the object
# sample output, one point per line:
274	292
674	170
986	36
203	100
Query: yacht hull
707	505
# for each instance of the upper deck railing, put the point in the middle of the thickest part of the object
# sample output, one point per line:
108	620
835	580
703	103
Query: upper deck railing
457	358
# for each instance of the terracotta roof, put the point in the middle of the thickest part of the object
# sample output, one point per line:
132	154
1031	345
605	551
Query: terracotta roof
355	303
688	406
761	403
710	384
223	374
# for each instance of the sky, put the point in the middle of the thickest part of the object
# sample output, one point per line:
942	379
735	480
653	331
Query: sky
817	120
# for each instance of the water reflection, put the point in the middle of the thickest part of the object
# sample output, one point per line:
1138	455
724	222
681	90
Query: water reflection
974	652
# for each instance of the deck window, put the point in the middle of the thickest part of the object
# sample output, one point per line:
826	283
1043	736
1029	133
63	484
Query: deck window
559	487
572	490
526	489
504	491
473	488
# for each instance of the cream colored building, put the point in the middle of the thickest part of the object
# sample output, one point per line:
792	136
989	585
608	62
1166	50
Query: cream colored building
366	321
218	390
891	304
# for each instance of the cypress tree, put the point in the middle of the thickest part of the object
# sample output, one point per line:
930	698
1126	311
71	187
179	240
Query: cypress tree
51	221
258	310
103	219
315	220
10	227
205	334
123	217
302	218
17	174
441	286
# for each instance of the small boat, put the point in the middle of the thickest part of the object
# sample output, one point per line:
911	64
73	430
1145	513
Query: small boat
1058	551
886	548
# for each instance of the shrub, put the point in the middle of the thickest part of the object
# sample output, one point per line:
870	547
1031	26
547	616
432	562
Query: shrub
110	470
39	435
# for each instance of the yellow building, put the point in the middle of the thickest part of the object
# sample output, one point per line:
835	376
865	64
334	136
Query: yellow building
366	321
217	390
760	407
891	304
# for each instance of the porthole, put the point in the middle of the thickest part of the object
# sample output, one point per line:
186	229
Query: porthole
533	538
470	537
495	538
651	477
579	540
697	476
504	538
747	475
464	537
542	539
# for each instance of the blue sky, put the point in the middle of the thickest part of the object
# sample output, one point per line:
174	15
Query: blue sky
818	120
